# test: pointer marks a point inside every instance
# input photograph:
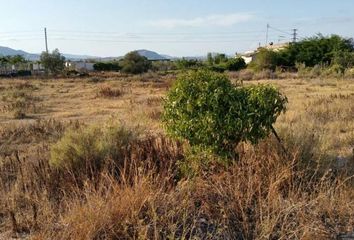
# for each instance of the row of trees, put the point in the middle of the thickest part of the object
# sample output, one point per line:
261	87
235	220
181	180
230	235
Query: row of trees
12	60
217	63
318	50
333	51
132	62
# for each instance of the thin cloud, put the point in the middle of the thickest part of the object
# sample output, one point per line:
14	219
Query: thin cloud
324	20
221	20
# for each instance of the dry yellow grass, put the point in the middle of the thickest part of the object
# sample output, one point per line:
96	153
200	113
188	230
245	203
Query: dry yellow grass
266	195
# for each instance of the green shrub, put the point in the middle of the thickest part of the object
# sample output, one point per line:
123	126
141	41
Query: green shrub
235	64
220	68
265	60
135	64
207	110
319	50
53	62
184	64
199	161
89	147
107	66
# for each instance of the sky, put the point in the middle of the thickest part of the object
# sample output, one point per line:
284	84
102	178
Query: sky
174	27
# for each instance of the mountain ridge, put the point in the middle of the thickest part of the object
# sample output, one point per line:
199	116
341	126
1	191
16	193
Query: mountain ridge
151	55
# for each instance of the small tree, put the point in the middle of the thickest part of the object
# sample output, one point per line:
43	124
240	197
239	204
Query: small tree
317	50
53	62
207	110
210	59
235	64
265	60
220	58
106	66
17	59
344	59
134	63
185	64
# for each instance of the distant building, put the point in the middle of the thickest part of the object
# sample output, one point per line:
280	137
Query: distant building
14	69
80	66
250	56
277	47
36	67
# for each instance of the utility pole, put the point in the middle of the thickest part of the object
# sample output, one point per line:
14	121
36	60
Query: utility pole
267	35
46	39
294	35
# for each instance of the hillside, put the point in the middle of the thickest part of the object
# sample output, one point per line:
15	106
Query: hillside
6	51
151	55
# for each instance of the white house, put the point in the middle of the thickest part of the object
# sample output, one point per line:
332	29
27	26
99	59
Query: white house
80	66
248	56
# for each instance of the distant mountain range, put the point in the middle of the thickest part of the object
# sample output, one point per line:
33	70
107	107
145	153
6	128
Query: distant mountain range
153	55
5	51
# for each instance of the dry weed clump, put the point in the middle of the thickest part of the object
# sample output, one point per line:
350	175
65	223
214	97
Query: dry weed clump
154	114
85	150
34	194
140	195
109	92
19	100
142	189
14	135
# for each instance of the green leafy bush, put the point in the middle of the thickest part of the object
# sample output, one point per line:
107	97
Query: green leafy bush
318	50
265	60
235	64
89	147
106	66
53	62
207	110
134	63
184	64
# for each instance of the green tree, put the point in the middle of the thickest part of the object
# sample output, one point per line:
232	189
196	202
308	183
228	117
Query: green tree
107	66
134	63
345	59
210	59
265	59
235	64
188	63
4	61
212	114
220	58
53	62
318	50
13	60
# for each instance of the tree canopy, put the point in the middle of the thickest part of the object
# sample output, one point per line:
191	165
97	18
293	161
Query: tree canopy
53	62
204	108
315	50
134	63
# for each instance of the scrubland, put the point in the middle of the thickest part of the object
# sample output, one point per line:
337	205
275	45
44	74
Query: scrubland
127	181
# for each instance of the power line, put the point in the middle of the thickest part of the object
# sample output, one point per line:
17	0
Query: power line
157	33
148	37
279	30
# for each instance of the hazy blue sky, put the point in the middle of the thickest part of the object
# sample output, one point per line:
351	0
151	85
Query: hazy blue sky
174	27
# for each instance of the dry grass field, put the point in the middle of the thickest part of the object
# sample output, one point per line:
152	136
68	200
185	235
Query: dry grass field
306	193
